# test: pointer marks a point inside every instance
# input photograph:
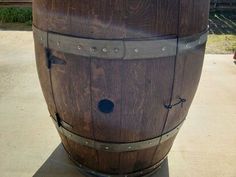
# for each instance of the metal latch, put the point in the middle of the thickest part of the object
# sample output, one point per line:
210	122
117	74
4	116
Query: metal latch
51	59
58	119
181	101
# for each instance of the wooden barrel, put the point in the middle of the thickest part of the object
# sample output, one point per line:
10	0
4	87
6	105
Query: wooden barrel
119	77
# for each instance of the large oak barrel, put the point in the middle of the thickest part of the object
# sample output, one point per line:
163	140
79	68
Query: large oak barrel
119	77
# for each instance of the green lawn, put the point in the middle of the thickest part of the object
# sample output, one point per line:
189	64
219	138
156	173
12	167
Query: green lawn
18	15
221	44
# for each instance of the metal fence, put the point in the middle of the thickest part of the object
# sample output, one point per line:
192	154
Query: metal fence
223	4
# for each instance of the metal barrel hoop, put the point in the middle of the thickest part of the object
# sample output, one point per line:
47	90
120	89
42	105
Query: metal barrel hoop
114	146
119	49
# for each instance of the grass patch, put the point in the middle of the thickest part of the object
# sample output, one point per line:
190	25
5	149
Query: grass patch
16	14
221	44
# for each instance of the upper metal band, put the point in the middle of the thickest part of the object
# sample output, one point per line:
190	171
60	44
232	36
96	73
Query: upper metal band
118	49
114	147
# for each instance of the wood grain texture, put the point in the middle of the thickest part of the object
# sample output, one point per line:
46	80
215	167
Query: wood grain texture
167	17
71	87
193	16
40	13
44	76
136	160
106	78
84	155
162	150
133	96
59	16
45	81
188	64
138	88
109	162
106	84
187	76
95	19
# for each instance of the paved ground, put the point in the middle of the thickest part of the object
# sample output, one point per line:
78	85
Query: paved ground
205	147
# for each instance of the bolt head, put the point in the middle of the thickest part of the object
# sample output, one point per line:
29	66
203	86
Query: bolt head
116	50
105	50
79	47
93	49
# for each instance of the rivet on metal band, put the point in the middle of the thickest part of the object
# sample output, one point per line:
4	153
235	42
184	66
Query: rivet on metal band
119	49
115	147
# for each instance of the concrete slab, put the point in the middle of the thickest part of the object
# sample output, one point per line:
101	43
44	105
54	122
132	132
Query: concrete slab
30	146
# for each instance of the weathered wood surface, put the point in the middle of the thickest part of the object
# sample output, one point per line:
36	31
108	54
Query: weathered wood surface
215	4
15	3
138	88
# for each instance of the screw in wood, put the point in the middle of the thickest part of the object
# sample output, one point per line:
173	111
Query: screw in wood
163	49
58	44
105	50
116	50
79	47
136	50
93	49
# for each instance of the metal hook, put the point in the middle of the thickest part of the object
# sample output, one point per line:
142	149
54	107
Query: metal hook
181	101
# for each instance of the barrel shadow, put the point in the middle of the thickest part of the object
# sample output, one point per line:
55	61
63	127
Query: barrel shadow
163	171
59	165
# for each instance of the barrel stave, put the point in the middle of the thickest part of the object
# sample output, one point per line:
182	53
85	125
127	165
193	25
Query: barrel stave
139	89
193	17
44	76
162	150
187	76
84	155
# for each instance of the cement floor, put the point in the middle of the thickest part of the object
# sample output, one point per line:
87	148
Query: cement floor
30	146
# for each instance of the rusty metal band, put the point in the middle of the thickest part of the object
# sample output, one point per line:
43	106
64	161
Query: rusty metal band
119	49
144	173
113	146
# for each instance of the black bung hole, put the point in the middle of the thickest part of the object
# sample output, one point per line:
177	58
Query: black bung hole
106	106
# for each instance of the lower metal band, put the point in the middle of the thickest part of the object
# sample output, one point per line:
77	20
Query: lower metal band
115	147
119	49
146	172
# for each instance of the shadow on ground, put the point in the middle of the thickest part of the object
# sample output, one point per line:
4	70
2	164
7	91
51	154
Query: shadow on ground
59	165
